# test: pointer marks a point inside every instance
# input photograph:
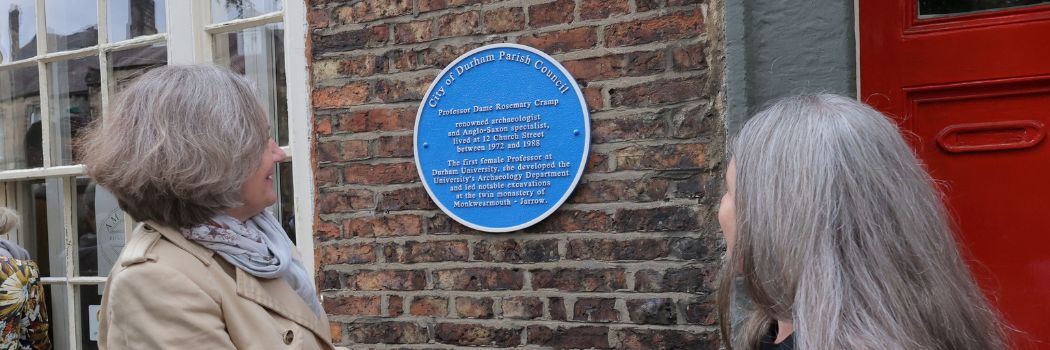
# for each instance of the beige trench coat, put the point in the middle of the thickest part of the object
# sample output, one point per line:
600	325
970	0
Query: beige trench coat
166	292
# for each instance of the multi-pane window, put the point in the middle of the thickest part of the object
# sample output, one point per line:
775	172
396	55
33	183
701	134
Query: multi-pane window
61	64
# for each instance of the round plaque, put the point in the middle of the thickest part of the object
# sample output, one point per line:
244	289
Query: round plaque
502	137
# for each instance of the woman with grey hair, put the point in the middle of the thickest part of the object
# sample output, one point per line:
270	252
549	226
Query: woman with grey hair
186	151
841	239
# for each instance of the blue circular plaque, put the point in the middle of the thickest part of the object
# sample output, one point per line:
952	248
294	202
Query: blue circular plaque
502	137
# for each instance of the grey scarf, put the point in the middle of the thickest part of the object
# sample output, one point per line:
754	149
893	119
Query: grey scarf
260	247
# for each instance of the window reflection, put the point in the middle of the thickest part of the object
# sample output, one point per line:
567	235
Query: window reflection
225	10
134	18
75	101
17	30
19	110
71	24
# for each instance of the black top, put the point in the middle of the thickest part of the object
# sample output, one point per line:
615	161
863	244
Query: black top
767	341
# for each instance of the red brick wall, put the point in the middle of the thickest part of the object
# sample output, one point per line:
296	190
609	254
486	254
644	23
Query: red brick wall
627	262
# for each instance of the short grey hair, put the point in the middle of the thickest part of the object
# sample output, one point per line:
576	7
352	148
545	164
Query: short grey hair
842	232
9	220
178	144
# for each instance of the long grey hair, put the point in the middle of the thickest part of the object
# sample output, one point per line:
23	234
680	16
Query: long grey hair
842	232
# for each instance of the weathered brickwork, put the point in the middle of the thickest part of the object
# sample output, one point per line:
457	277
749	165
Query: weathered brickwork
627	263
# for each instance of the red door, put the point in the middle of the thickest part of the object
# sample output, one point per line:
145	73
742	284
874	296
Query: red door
970	80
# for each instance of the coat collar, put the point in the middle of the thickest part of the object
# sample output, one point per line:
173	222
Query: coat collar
176	238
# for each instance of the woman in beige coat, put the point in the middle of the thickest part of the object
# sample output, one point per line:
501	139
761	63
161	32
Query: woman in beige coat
186	151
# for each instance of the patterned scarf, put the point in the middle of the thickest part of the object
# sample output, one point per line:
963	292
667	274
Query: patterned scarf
260	247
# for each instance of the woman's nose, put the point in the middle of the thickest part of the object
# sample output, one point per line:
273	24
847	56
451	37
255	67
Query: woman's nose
278	153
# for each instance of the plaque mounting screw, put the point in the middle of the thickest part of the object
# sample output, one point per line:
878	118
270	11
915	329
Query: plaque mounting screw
576	132
426	145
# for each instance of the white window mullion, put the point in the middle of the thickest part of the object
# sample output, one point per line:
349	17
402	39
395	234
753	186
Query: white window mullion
69	210
299	127
187	41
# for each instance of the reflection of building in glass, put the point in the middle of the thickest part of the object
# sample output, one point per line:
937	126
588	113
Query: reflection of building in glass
142	16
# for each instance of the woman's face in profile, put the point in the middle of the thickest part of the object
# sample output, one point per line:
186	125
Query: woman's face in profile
727	208
257	193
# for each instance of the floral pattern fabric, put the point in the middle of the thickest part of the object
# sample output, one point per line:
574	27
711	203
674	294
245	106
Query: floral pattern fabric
23	313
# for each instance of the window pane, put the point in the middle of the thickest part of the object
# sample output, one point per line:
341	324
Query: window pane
75	101
20	145
126	65
285	206
134	18
99	229
90	300
225	10
58	315
932	8
71	24
258	53
17	30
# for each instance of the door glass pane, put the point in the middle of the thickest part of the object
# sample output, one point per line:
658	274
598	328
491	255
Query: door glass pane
225	10
935	8
58	315
90	302
126	65
17	30
75	101
99	229
258	53
71	24
20	145
134	18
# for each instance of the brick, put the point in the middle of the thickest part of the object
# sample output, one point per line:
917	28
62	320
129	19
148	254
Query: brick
579	280
459	24
326	231
410	198
522	308
387	119
551	13
341	41
665	339
394	146
557	308
479	279
598	9
688	280
413	252
391	91
336	329
434	5
689	58
345	201
509	250
631	127
672	3
340	96
468	307
360	66
380	174
614	250
661	157
657	219
326	176
659	92
318	18
562	41
574	221
699	311
342	151
322	126
595	68
647	5
694	122
330	280
370	10
652	311
594	99
399	60
347	254
395	306
503	20
584	337
384	226
608	191
414	32
434	306
595	310
443	56
597	162
680	25
477	335
693	249
352	305
647	280
401	280
369	331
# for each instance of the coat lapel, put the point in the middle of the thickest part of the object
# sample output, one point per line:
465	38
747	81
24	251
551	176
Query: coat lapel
276	295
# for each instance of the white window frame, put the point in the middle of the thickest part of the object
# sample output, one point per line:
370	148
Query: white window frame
188	40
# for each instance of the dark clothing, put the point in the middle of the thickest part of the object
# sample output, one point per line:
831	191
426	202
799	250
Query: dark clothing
767	341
